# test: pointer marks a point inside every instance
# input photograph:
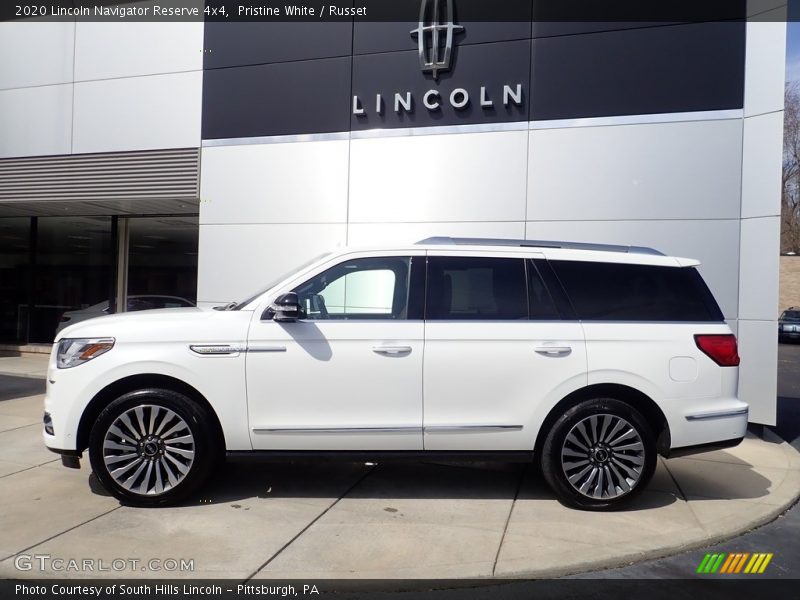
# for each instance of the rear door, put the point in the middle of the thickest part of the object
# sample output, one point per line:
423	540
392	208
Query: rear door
496	350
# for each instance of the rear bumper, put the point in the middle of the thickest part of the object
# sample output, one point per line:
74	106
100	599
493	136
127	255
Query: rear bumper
702	423
700	448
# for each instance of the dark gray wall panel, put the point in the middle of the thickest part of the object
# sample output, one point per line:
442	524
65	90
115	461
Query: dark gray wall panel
556	28
278	99
513	22
489	65
252	43
378	36
654	70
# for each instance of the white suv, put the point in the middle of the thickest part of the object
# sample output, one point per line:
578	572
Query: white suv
589	359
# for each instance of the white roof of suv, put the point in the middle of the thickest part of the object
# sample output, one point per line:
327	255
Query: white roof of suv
555	250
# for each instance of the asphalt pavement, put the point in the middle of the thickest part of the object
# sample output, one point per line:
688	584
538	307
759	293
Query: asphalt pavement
20	387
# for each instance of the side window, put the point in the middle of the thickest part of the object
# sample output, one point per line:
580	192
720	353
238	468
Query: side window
471	288
542	306
363	288
622	292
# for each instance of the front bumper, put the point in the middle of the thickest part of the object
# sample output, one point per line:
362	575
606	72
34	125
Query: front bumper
69	458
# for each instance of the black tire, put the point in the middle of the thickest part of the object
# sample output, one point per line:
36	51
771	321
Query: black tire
612	466
193	446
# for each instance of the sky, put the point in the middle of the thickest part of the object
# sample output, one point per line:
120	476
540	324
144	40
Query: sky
793	51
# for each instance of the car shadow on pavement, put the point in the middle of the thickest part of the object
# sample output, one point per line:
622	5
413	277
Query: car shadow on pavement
250	482
733	479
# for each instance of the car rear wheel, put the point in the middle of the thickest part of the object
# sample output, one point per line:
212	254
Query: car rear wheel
599	455
152	447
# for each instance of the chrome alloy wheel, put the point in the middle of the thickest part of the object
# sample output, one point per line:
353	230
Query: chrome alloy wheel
148	449
603	456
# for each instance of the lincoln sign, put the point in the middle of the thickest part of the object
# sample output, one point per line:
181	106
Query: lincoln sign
459	99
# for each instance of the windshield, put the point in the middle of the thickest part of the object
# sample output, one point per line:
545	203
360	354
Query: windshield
791	315
277	280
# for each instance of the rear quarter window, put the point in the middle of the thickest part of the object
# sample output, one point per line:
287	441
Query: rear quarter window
623	292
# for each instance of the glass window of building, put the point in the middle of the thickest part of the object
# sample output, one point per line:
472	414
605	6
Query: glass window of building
73	273
14	278
162	262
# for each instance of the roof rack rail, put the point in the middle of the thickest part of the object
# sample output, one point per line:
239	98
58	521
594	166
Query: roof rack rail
461	241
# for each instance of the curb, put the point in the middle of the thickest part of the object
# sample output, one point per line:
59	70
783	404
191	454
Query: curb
631	558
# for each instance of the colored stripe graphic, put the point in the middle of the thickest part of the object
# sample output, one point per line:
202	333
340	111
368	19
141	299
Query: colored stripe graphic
727	564
703	563
734	562
718	562
764	564
740	564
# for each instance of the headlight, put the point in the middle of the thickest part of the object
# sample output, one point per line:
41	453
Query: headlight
76	351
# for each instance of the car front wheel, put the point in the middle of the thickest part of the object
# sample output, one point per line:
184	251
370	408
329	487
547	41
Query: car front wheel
599	455
152	447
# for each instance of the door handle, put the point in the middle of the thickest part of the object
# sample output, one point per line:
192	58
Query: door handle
391	350
553	350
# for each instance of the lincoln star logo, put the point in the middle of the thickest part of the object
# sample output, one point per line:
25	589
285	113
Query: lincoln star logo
435	35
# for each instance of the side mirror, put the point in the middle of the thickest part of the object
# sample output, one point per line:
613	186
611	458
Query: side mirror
286	308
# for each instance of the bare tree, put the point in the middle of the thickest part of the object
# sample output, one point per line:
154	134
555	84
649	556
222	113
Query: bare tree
790	192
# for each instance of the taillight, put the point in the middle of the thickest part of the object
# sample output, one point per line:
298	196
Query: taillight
721	348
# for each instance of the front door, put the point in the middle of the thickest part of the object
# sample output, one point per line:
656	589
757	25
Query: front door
348	374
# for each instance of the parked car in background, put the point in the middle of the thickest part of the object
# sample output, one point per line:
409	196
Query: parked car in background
789	325
135	303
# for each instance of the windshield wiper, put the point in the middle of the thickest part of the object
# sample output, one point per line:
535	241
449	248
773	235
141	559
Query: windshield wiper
228	306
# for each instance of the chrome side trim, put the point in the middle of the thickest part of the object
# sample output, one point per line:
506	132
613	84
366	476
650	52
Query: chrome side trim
266	349
470	428
215	349
401	429
313	430
718	415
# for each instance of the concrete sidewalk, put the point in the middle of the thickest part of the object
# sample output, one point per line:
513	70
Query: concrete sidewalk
24	365
409	520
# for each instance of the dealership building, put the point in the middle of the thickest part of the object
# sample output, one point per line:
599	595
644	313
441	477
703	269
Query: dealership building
154	164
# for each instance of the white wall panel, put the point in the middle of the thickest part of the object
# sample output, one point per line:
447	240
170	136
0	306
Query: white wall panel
302	182
759	268
449	177
138	113
123	49
765	63
758	373
237	260
761	165
409	233
36	121
714	243
734	325
35	53
685	170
